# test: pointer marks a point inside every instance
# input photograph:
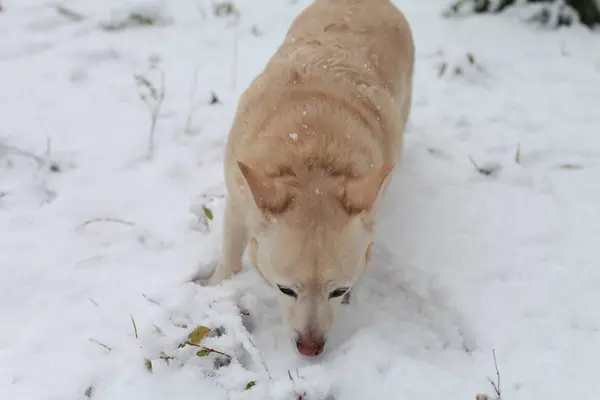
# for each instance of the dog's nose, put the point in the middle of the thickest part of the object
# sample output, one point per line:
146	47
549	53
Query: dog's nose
310	346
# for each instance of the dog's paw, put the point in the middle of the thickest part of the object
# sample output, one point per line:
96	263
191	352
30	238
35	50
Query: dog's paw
219	275
204	273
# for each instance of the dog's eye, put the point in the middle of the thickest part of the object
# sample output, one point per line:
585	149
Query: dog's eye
338	292
287	291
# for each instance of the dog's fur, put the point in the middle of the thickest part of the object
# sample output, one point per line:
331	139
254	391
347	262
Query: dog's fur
311	150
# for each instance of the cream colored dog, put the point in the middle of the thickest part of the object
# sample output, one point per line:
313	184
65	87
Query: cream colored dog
311	150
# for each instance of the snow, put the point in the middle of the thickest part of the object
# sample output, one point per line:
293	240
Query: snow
465	264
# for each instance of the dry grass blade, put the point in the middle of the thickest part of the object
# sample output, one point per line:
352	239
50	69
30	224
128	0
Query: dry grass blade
68	13
107	219
151	300
100	344
571	166
135	330
154	102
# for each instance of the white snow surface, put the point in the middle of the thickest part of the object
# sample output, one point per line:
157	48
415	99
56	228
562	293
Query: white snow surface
465	264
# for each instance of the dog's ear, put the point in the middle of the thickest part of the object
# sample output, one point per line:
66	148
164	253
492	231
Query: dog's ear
360	195
270	195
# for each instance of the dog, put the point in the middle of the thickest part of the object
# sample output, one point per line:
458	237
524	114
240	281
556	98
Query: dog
313	145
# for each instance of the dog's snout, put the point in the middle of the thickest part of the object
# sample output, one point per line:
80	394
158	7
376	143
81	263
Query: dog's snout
310	345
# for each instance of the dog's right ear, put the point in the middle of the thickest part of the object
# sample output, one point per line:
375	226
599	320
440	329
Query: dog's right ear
269	194
359	196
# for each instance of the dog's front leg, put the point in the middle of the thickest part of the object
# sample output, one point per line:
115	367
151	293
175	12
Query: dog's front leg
234	241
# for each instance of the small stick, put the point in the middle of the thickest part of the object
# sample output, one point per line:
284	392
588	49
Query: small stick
208	349
154	113
107	219
100	344
134	327
497	384
151	300
39	160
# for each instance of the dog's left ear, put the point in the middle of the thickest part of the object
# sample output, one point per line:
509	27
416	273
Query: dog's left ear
359	196
270	195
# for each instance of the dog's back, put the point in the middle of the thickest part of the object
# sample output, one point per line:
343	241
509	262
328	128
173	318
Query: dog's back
336	92
370	38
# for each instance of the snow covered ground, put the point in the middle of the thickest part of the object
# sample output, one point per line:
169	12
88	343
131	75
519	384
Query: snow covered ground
95	235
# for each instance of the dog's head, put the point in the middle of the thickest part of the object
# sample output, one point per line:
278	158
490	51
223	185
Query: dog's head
313	243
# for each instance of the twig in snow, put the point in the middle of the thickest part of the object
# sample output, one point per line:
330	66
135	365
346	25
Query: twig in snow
100	344
135	330
208	349
68	13
571	166
93	301
151	300
154	100
40	161
54	167
107	219
11	149
496	385
442	69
